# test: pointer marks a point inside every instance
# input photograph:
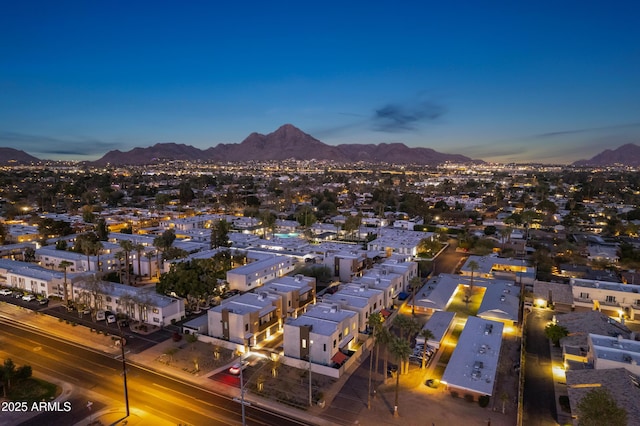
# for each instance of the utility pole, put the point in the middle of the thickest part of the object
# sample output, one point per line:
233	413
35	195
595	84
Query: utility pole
310	393
244	421
124	370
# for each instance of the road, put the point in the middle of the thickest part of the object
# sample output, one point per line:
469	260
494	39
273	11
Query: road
448	260
99	373
539	397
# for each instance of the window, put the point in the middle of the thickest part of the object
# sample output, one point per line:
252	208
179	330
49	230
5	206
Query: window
324	347
334	344
304	343
156	319
246	327
340	336
156	311
611	299
41	284
108	298
584	295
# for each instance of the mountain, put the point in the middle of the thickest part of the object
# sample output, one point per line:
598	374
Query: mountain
157	153
628	155
287	142
15	156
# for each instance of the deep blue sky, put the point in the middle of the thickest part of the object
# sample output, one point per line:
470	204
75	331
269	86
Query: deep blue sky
549	81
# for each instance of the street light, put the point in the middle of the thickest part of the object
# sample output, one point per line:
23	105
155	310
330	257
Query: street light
124	369
310	394
244	422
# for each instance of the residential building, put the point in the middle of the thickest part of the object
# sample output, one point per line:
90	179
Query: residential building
297	293
616	299
248	319
255	274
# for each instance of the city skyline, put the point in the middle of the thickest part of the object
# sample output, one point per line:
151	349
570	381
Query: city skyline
507	83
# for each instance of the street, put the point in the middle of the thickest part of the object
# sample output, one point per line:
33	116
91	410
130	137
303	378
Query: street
85	369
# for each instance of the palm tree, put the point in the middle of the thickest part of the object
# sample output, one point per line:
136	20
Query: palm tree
408	327
414	285
374	322
96	249
426	334
401	350
473	265
138	248
127	247
64	265
384	338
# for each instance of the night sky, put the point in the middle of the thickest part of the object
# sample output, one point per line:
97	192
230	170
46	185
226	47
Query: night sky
523	81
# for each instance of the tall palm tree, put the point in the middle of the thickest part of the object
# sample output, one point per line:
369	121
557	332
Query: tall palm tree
96	249
384	339
138	248
414	285
426	334
401	350
408	327
374	322
473	265
64	265
127	247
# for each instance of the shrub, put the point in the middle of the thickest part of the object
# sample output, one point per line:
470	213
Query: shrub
483	401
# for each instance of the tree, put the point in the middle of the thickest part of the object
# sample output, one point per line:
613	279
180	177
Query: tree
428	247
102	230
7	373
61	245
87	243
3	233
163	242
401	350
598	407
555	332
64	265
374	323
219	234
414	285
408	326
473	265
352	224
268	221
139	248
127	247
426	334
490	230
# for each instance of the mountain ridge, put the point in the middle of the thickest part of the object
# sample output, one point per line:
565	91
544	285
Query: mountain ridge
627	154
287	142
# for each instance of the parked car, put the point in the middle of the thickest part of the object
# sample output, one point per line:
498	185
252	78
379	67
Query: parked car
111	319
43	301
5	292
236	368
100	316
17	294
28	297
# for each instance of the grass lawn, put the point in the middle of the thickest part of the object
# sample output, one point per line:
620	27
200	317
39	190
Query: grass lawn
33	389
463	309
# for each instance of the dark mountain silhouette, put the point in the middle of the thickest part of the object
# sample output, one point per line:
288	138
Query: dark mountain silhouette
15	156
288	142
628	155
157	153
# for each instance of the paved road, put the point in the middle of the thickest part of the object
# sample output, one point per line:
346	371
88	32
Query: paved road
539	397
160	395
448	260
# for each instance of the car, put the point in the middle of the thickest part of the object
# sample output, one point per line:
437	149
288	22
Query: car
236	368
5	292
100	315
432	383
17	294
28	297
43	301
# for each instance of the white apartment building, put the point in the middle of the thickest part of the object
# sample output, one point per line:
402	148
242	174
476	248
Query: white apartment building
398	241
606	352
138	303
358	298
296	292
255	274
247	319
323	335
615	299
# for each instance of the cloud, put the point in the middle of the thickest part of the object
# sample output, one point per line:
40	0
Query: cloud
393	118
56	146
389	118
585	130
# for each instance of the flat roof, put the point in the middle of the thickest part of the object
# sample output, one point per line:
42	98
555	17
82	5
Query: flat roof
501	301
615	349
328	312
439	324
318	325
473	364
627	288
